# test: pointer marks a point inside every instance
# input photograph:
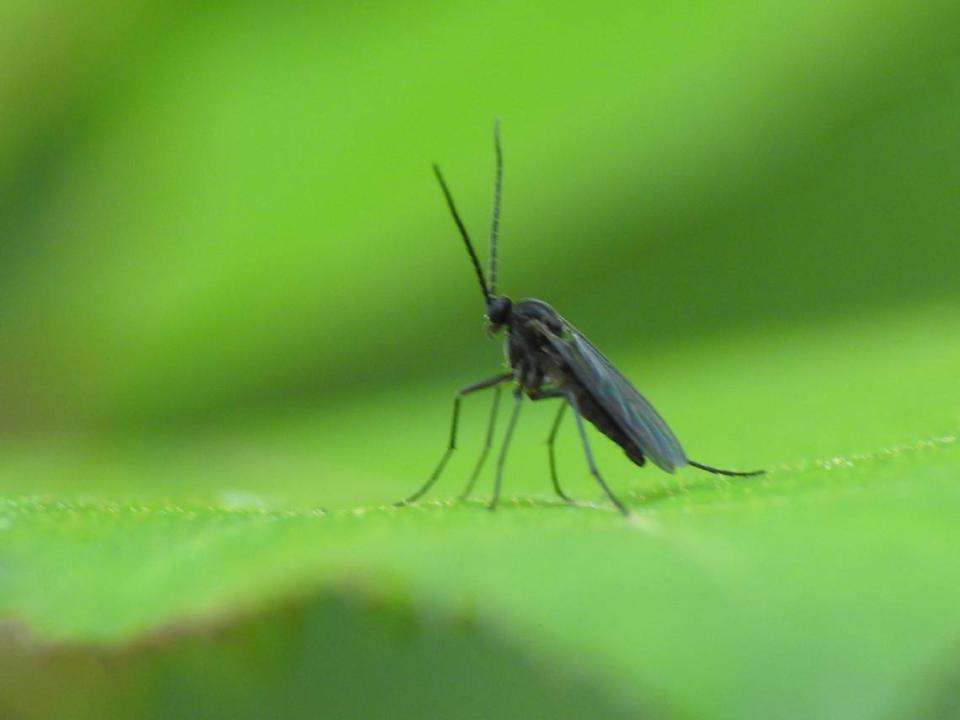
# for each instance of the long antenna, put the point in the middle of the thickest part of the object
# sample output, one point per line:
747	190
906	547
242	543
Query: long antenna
495	221
463	232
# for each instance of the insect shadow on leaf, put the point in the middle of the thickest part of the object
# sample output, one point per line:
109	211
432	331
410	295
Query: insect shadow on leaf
550	359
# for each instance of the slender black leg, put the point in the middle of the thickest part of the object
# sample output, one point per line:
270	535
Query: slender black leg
491	425
590	462
517	399
721	471
452	445
551	452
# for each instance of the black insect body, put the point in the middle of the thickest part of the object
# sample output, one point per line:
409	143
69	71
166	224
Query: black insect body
549	358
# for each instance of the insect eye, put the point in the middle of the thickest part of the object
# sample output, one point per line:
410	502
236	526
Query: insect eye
498	310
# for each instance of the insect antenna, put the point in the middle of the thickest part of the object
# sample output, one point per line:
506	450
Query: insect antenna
487	293
495	220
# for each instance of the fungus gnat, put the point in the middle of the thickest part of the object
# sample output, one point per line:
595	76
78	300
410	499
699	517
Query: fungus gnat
551	359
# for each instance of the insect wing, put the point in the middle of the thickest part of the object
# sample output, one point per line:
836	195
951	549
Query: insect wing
614	393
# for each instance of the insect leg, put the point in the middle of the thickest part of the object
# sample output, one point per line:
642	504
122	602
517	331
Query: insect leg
552	453
589	454
452	445
720	471
517	399
491	424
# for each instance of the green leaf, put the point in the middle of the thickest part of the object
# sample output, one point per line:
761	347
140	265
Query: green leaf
826	587
234	314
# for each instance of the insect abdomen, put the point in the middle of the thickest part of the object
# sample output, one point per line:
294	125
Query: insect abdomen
599	418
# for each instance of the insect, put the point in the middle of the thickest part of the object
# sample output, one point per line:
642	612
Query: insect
550	359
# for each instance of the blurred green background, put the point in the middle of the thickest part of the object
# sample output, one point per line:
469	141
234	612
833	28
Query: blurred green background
229	280
220	209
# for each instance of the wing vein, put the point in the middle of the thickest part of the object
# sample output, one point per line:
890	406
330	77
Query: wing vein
607	386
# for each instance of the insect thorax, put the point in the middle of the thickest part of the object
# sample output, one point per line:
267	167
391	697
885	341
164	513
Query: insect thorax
524	347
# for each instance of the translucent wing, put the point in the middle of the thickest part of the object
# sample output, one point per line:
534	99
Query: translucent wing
614	393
